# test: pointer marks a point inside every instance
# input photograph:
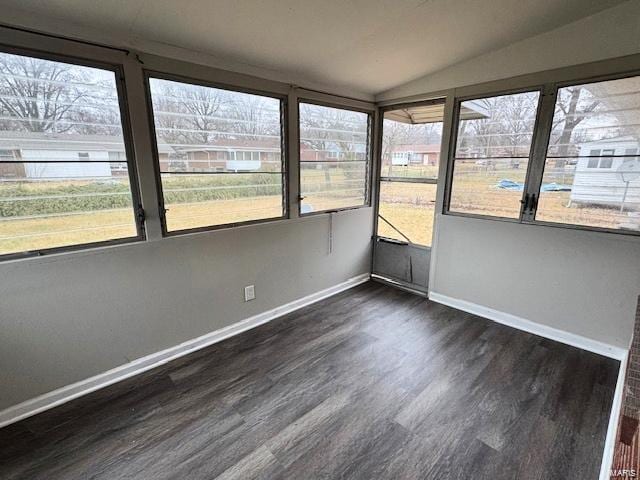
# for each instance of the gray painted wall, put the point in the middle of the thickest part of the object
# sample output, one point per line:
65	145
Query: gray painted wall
582	282
585	283
70	316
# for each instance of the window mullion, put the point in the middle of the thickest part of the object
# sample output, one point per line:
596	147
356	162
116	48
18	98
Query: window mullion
143	145
293	149
538	157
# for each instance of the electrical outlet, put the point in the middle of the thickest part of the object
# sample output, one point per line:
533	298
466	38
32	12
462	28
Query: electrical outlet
249	293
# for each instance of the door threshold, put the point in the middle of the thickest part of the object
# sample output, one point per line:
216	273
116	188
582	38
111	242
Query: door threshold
399	284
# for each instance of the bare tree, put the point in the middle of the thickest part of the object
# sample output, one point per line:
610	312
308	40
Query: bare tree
188	113
476	135
573	113
249	115
44	96
393	134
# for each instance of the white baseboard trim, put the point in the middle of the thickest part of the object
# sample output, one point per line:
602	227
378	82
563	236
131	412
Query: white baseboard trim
552	333
65	394
614	418
563	337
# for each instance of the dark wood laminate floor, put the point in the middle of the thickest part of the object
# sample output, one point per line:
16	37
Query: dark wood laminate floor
373	383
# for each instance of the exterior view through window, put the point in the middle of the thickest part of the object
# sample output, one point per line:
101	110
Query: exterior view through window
492	154
219	154
410	156
64	177
592	170
334	158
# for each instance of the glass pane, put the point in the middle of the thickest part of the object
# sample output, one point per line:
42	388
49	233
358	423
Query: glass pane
488	187
327	186
592	171
220	154
595	116
492	154
59	128
407	211
45	205
334	158
196	200
410	150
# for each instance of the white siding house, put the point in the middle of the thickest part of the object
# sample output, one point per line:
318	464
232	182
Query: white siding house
600	176
80	164
46	156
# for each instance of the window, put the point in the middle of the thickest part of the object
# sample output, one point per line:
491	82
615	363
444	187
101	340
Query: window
334	158
410	159
591	172
57	186
607	160
593	161
248	156
491	156
209	142
7	155
117	156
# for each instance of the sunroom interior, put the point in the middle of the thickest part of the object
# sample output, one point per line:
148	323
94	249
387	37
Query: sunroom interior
234	246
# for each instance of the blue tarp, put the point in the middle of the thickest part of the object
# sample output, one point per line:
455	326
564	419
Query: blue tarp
510	185
546	187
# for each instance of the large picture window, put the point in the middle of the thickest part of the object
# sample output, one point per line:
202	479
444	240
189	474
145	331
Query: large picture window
334	158
592	168
493	145
64	170
219	155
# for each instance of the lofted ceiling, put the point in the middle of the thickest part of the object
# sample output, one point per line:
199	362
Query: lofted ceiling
367	46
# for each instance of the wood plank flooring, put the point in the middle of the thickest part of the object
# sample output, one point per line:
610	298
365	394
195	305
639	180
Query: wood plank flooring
373	383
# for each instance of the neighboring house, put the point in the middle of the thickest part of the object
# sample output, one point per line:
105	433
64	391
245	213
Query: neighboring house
235	155
88	156
331	153
70	155
599	178
414	154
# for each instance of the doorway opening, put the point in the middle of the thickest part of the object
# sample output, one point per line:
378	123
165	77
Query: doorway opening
409	163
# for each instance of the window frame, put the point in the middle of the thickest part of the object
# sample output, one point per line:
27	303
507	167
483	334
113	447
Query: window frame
440	100
541	135
554	87
369	162
127	138
284	154
454	142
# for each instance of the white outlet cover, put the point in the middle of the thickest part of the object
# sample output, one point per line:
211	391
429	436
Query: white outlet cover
249	293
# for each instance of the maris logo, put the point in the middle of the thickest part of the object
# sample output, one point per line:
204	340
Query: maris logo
624	473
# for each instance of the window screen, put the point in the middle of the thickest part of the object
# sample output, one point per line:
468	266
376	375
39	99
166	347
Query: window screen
334	158
410	158
492	154
59	186
406	211
592	171
219	155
